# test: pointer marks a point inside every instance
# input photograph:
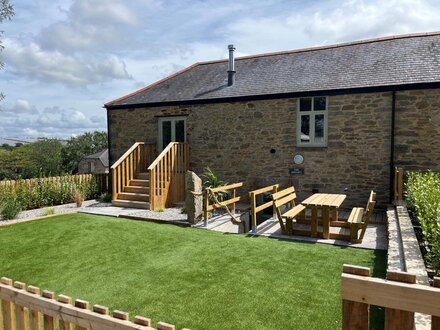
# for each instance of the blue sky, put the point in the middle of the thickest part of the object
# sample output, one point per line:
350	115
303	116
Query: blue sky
65	59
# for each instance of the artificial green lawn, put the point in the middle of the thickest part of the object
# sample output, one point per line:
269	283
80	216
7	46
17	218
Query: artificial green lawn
189	277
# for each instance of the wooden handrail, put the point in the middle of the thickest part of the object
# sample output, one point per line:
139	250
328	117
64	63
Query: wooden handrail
233	200
126	154
161	155
254	208
167	175
133	161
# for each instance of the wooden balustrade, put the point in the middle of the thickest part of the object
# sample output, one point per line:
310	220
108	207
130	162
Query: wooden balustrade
255	209
207	206
167	175
25	307
399	294
134	160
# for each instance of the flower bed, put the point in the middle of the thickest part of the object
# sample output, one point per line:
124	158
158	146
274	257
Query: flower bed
423	198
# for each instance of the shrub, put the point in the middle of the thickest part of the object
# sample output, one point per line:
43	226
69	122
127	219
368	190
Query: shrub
10	207
78	197
423	196
41	192
212	181
49	211
105	198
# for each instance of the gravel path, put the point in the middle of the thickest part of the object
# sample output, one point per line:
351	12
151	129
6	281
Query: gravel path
99	208
59	209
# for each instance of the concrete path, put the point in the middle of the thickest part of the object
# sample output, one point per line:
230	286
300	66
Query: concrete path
375	236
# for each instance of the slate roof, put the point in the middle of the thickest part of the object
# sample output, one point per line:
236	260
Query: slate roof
388	61
101	155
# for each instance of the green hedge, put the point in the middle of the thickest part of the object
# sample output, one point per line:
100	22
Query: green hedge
42	192
423	196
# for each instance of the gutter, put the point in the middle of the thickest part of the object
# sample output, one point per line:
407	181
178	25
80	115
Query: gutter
393	128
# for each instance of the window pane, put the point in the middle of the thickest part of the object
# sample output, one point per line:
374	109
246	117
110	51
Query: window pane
166	133
305	128
319	128
180	130
305	104
319	103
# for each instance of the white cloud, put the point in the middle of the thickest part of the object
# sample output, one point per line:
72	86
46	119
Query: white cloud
53	66
20	107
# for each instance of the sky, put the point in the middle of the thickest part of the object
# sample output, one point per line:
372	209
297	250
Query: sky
65	58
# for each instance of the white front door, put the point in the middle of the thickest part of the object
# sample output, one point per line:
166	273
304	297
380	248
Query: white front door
171	129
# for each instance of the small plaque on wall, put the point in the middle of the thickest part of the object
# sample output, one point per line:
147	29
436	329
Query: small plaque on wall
296	170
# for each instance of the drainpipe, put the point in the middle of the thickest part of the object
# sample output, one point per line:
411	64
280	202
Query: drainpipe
393	127
110	163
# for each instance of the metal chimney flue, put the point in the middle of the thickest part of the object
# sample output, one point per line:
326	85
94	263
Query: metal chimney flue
231	65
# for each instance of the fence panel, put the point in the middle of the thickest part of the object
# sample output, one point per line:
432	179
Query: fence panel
22	308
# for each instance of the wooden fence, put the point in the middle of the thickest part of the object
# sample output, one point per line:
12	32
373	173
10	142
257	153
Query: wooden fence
398	185
26	307
399	294
255	209
101	180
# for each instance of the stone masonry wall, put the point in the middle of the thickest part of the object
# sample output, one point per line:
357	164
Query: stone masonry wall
234	140
417	135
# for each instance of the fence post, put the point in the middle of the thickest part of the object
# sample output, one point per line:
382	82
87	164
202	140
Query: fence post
49	321
21	315
83	305
398	319
205	206
435	323
7	308
34	316
253	213
355	315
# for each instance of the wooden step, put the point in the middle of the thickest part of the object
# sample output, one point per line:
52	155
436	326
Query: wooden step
139	182
130	196
132	204
143	176
136	189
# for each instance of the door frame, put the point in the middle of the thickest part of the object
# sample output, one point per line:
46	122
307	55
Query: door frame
173	119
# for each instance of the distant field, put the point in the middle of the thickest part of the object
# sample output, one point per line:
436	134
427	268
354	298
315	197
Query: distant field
189	277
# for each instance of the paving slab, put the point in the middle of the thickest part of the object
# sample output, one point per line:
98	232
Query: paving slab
375	236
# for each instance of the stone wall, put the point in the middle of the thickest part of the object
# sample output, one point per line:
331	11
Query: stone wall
234	140
417	135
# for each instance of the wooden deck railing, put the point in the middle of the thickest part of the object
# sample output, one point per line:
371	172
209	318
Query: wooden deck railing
399	294
133	161
398	185
255	209
207	206
25	307
167	175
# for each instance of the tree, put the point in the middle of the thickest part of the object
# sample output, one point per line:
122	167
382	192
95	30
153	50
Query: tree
6	13
80	146
41	158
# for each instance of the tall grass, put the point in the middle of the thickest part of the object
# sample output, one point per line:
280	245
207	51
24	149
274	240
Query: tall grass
43	192
423	196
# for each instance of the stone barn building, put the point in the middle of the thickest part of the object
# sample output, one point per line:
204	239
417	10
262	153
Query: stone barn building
330	119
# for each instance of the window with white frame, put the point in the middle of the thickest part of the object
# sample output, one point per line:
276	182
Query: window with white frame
312	122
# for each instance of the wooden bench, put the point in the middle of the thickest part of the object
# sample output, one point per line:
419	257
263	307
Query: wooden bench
359	218
283	197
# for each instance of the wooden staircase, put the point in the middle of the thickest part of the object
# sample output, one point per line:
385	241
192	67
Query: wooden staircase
136	193
142	180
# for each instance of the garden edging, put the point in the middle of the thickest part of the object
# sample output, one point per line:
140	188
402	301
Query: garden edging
404	253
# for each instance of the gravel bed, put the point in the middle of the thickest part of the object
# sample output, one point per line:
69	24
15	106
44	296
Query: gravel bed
168	214
58	209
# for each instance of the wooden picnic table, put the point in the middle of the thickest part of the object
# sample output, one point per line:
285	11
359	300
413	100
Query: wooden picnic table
328	203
